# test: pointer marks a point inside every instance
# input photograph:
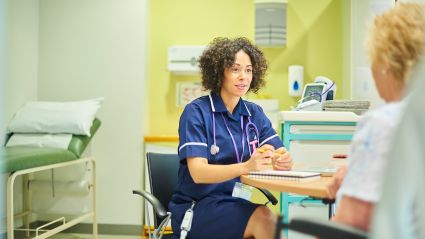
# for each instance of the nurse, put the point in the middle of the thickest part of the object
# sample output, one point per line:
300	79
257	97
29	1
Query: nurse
219	134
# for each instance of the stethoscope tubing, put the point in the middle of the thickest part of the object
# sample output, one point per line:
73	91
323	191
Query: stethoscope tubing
247	131
239	158
215	149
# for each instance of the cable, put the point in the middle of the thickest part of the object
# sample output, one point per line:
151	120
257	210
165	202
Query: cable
187	222
327	90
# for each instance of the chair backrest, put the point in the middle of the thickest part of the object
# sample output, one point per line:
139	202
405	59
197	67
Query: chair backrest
162	171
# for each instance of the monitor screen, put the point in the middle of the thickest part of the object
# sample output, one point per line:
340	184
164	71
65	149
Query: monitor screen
313	92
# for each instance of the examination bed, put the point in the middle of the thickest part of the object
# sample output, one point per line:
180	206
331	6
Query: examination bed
24	160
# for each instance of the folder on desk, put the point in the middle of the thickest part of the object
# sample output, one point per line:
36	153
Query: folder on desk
284	175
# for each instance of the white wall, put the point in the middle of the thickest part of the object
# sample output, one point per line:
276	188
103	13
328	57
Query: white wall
2	67
21	54
91	48
362	13
20	66
2	120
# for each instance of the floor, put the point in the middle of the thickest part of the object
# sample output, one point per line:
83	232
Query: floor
88	236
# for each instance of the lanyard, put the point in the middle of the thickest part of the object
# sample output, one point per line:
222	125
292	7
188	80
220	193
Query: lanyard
238	158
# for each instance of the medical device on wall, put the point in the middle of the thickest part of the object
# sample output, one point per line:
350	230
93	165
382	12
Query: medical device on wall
295	80
314	94
271	22
183	60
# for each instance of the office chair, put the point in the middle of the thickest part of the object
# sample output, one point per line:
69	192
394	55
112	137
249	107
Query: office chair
163	172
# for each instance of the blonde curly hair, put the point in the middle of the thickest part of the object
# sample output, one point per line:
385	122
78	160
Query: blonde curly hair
397	38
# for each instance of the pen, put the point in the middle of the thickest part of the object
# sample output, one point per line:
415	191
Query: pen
263	150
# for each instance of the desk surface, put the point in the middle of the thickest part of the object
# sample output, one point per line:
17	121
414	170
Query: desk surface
314	188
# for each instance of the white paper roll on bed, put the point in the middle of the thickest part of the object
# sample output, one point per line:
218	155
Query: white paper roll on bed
68	187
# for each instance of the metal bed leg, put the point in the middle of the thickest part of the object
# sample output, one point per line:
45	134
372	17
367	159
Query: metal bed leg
94	198
26	204
10	214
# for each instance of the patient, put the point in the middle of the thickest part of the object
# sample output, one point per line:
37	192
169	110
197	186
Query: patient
405	195
396	42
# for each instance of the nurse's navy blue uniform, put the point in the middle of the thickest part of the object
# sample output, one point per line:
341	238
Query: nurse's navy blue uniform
216	213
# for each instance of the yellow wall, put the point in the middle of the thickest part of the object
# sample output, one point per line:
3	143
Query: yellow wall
314	41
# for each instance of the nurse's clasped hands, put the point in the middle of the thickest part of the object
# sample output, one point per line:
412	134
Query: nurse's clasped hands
260	159
266	155
282	160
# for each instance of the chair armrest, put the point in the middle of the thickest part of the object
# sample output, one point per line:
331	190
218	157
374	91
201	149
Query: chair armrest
325	229
268	195
156	204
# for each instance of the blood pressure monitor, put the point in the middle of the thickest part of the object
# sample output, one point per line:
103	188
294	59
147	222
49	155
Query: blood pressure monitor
314	94
322	89
313	91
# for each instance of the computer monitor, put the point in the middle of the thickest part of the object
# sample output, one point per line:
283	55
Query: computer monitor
313	91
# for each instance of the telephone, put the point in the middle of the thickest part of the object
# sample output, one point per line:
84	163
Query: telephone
314	94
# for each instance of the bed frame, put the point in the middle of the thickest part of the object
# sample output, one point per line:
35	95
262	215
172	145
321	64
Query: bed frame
41	232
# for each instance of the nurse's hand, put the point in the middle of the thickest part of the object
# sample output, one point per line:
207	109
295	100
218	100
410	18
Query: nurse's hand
260	159
334	185
282	160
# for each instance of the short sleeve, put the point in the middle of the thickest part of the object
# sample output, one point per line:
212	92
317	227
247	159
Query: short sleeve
267	134
368	156
192	133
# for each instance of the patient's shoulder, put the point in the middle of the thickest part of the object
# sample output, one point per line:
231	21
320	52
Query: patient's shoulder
387	115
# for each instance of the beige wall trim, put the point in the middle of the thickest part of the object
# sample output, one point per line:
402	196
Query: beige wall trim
108	229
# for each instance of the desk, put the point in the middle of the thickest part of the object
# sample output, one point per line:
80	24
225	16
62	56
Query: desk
314	188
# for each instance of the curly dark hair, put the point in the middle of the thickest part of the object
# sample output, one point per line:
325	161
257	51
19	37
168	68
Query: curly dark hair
220	55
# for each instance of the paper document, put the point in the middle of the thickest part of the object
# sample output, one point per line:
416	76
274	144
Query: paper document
324	171
284	175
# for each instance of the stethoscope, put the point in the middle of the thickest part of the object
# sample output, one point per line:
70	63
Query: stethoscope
250	128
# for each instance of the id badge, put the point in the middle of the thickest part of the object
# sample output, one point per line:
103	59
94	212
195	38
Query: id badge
242	191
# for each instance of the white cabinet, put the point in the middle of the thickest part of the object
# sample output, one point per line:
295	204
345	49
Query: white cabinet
312	138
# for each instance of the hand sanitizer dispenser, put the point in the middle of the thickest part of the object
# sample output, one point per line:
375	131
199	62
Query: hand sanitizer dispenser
295	80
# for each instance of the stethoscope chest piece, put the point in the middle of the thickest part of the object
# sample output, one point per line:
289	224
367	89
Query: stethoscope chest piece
214	149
